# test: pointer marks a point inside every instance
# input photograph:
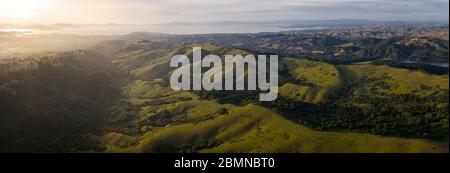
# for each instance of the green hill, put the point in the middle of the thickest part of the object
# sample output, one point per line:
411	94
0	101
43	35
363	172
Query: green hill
121	101
193	125
364	98
312	81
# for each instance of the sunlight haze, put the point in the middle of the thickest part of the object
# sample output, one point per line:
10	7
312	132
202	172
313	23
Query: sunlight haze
164	11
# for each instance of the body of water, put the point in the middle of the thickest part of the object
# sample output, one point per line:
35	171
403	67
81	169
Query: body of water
125	29
439	64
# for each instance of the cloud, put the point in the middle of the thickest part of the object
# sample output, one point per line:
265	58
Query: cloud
161	11
201	10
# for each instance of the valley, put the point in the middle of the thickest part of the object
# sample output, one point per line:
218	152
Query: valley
163	120
114	95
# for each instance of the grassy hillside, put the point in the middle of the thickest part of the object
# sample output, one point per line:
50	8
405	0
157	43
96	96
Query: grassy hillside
275	134
311	82
192	125
116	97
312	73
382	80
365	98
303	93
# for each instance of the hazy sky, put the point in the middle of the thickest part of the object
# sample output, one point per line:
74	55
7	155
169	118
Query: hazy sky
161	11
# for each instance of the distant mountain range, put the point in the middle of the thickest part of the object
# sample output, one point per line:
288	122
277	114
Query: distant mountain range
276	23
303	23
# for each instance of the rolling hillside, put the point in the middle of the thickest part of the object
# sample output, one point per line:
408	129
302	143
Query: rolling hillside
153	118
116	98
194	125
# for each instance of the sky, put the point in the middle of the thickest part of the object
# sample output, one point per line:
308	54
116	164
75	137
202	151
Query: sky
166	11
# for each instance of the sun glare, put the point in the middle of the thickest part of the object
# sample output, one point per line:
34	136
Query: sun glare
21	9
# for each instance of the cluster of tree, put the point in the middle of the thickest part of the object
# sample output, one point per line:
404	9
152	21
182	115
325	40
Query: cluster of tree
403	115
427	68
53	106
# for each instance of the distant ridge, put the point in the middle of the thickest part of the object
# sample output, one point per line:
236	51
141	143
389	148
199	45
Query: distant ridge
302	23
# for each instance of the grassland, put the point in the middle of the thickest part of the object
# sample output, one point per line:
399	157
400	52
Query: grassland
208	127
303	93
317	74
275	134
382	80
315	81
154	118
